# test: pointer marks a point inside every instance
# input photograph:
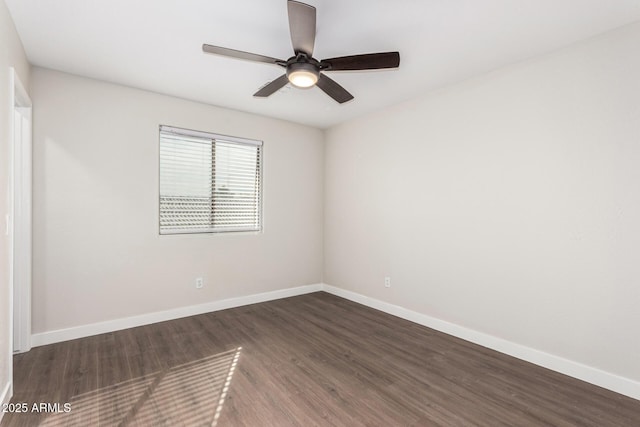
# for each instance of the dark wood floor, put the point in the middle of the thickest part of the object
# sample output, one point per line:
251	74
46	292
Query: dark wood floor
310	360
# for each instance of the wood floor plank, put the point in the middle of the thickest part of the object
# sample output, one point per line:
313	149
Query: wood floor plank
310	360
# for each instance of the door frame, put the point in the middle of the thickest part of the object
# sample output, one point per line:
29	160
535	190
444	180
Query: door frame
20	222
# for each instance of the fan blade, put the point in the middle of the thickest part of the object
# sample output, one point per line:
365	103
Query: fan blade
333	89
272	87
302	26
369	61
238	54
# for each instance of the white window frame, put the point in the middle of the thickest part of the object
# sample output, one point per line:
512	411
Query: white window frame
225	138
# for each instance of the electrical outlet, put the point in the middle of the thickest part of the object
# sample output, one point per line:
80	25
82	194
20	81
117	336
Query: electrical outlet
387	282
199	282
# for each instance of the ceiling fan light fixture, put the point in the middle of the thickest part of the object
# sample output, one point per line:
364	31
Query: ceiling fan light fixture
302	69
302	75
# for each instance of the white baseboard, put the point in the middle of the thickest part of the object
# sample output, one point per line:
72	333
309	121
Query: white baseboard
573	369
82	331
5	397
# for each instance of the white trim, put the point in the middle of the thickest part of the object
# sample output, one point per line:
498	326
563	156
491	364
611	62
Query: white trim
9	233
21	208
174	231
208	135
571	368
59	335
5	397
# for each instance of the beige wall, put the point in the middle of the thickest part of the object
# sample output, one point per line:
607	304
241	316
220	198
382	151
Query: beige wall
97	252
508	204
11	55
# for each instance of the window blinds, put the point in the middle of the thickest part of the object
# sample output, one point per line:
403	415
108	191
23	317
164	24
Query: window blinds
209	183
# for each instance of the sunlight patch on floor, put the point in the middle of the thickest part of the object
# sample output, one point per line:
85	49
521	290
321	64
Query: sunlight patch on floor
189	394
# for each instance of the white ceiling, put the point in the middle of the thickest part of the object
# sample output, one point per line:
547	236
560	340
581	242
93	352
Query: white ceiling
156	44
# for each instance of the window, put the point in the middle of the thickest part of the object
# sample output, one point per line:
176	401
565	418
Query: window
209	183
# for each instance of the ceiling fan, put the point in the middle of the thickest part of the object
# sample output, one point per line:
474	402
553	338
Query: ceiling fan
302	69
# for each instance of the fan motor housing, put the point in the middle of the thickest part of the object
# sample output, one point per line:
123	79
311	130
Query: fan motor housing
303	74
